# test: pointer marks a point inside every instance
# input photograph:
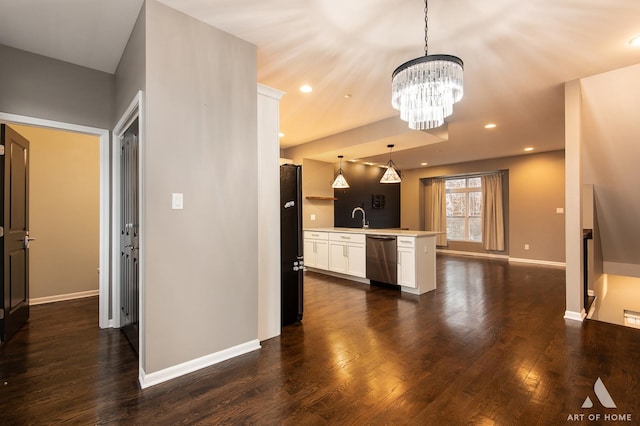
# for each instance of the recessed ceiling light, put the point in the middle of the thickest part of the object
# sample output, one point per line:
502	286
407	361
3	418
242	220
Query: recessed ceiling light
369	163
424	164
353	160
347	95
305	88
281	134
635	42
528	149
490	126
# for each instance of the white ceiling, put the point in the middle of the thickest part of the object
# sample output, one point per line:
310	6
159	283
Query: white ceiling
517	55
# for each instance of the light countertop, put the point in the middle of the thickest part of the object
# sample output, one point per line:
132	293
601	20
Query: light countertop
374	231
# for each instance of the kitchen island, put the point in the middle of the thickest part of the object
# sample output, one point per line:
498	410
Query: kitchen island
342	252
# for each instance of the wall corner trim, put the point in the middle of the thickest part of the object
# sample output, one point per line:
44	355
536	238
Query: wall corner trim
152	379
575	316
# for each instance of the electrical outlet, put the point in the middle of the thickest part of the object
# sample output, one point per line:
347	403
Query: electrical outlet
526	246
560	210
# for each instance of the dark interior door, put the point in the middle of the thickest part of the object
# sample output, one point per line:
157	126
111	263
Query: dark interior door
129	264
14	161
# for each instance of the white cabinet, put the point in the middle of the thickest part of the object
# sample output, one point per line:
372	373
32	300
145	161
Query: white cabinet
316	249
343	254
347	254
406	261
338	257
356	260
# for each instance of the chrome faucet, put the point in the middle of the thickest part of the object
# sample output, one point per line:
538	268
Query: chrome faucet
364	220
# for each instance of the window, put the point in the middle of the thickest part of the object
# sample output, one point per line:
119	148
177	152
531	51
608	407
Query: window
464	209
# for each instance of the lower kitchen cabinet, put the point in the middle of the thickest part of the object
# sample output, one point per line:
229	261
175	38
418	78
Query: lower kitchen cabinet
356	260
338	257
406	261
407	267
347	254
343	254
316	250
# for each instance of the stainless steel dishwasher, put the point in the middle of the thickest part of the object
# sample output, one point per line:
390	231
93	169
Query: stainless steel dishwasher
381	259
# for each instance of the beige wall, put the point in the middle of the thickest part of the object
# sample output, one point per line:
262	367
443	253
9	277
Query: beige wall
201	263
317	177
536	189
64	203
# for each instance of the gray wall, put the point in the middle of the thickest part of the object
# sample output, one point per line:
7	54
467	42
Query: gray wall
610	153
201	292
130	74
41	87
536	189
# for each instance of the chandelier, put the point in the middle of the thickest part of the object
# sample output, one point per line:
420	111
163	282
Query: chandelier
424	89
391	174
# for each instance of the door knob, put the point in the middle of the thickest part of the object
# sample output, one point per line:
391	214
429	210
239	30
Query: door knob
27	240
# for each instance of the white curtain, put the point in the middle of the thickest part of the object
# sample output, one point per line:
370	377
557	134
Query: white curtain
439	210
492	213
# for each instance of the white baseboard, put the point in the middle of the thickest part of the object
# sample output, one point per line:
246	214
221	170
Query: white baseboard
503	257
575	316
161	376
63	297
538	262
474	254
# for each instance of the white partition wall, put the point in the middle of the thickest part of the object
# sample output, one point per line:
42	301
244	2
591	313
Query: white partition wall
268	213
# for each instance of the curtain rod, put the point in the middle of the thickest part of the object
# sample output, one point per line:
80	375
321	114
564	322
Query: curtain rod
466	175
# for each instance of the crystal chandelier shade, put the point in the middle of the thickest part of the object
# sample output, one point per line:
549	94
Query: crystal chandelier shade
424	89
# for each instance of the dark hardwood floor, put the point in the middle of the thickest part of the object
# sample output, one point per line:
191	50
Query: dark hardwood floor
489	346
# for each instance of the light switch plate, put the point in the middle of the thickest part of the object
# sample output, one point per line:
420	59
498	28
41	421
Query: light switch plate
177	201
313	217
560	210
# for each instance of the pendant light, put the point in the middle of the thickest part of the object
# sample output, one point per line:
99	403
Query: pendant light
424	89
392	174
340	182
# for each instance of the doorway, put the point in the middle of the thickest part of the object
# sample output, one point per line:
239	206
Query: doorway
127	226
105	316
64	201
129	282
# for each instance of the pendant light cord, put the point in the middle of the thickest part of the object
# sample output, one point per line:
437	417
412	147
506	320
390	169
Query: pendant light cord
426	26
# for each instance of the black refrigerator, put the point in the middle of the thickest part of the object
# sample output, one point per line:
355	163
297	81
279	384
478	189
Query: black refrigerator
291	260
